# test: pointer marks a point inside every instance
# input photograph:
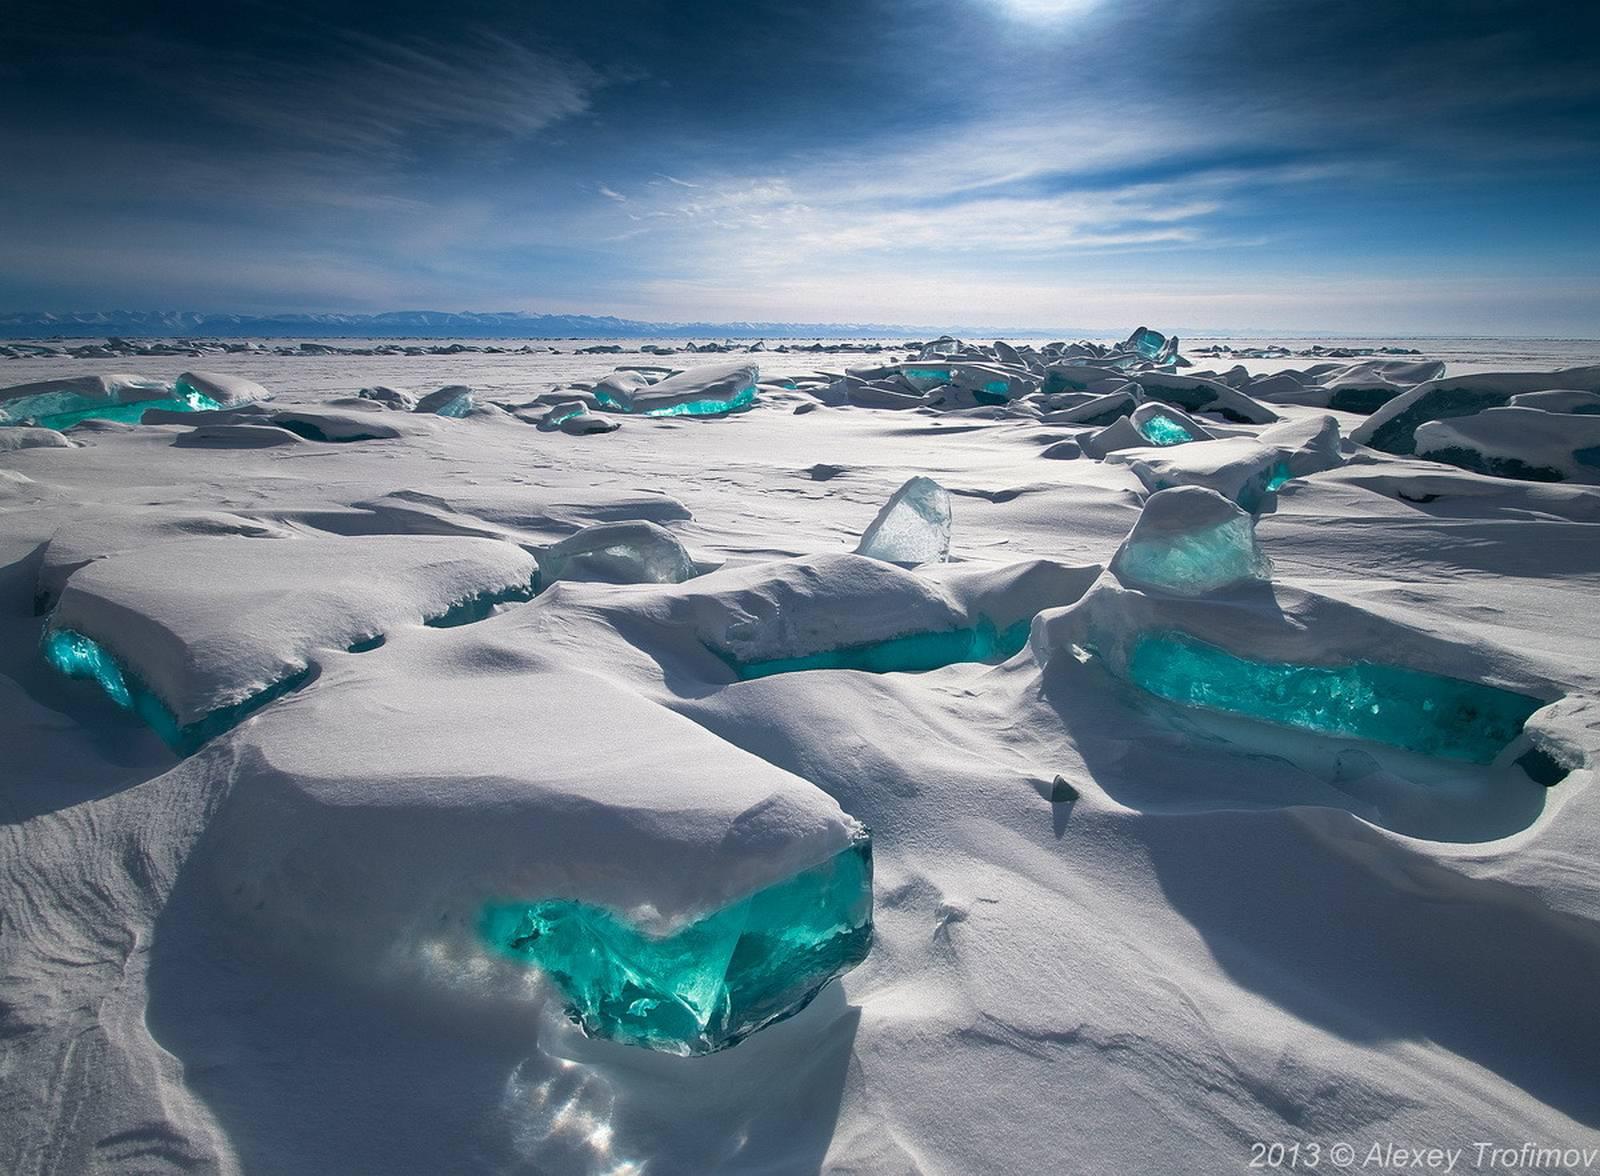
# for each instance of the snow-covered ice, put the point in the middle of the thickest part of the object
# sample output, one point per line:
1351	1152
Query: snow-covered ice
909	759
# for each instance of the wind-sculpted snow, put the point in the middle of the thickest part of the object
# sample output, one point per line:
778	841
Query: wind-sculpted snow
1239	469
1259	823
359	839
835	612
1517	441
710	391
90	535
1393	427
209	624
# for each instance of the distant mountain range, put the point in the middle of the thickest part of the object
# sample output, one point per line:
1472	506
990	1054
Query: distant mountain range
442	324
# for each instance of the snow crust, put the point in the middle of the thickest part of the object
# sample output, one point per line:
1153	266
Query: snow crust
209	622
1113	930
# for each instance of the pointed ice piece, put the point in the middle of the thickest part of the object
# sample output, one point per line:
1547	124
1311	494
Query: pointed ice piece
1190	541
913	527
453	400
633	552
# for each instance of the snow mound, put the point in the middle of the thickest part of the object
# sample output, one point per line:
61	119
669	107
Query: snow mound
712	390
1517	442
1393	427
221	389
1238	468
820	612
209	624
27	437
356	836
113	529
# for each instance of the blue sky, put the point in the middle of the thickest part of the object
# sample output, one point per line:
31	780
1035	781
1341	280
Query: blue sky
1427	167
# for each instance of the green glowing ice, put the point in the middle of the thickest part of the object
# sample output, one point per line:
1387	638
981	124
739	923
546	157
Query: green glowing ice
126	413
711	983
78	656
1280	475
1148	343
913	653
744	399
1163	430
1405	708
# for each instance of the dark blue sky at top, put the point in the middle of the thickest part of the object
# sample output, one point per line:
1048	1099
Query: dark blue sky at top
1420	167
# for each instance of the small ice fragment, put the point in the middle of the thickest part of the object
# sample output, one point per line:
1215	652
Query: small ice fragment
1190	541
635	552
913	527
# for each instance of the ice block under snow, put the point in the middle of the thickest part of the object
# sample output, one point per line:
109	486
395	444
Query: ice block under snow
676	892
209	629
1190	541
913	527
712	390
62	403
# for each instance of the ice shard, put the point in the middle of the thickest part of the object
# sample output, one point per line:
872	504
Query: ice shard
913	527
712	983
1401	707
1190	541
